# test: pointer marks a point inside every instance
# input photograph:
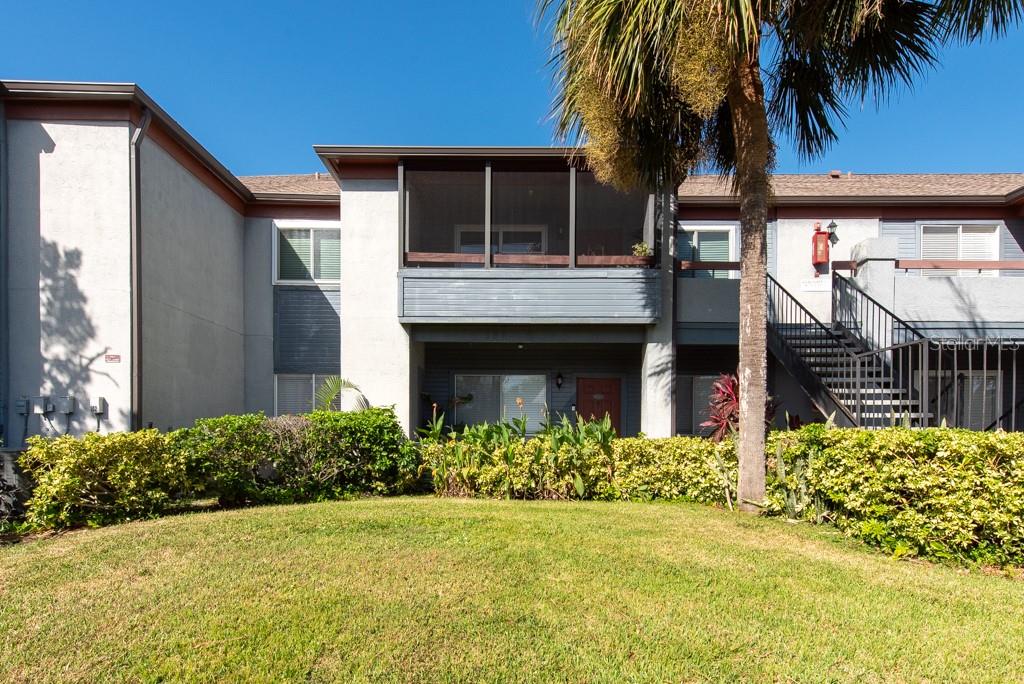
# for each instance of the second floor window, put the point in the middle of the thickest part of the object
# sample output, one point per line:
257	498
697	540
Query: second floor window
308	254
959	242
708	243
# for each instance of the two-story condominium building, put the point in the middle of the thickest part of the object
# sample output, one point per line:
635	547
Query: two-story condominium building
143	283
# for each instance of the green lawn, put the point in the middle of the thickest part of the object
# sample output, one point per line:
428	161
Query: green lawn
420	589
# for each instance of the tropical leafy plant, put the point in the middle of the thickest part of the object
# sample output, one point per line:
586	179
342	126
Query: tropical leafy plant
329	393
724	408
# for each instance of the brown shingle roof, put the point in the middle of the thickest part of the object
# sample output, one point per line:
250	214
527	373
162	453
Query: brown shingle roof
321	184
867	186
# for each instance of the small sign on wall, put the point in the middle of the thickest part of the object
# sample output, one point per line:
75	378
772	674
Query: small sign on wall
112	358
822	284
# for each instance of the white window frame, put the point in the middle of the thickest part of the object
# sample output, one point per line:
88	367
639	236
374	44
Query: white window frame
730	227
501	375
959	225
277	225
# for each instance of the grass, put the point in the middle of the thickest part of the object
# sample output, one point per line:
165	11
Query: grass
421	589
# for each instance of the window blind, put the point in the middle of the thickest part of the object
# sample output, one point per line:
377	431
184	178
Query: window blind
940	242
477	399
713	245
327	248
531	392
702	386
294	394
978	243
295	259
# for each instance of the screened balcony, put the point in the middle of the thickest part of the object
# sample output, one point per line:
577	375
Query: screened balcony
521	214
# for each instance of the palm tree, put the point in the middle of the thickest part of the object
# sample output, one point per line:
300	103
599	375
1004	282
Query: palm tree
656	89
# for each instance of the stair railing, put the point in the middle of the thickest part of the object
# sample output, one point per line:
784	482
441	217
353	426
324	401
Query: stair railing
791	326
860	314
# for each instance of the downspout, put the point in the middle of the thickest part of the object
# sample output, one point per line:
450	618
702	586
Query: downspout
4	275
134	189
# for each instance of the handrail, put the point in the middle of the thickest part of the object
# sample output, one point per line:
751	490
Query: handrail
864	317
806	312
889	349
785	310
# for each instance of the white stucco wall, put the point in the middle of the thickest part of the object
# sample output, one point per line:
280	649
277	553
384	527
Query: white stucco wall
375	348
193	359
70	300
259	315
795	271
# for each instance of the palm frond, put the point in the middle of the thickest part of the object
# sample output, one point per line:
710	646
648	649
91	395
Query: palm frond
329	392
968	20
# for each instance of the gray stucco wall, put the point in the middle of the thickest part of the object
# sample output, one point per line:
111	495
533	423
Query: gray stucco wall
69	281
192	296
259	315
443	361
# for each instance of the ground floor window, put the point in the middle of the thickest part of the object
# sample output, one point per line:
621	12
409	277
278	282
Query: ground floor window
971	402
295	393
492	398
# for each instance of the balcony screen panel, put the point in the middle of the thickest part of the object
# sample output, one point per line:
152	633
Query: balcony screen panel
295	260
327	251
441	206
477	399
608	222
530	212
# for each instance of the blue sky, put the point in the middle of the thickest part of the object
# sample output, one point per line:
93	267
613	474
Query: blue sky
259	82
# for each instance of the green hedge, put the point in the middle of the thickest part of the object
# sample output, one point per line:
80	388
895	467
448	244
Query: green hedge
241	460
939	493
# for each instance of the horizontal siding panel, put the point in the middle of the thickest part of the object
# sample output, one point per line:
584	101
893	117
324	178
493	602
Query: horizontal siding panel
1011	245
556	296
307	330
906	234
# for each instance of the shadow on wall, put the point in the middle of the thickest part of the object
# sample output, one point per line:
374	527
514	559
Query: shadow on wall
65	330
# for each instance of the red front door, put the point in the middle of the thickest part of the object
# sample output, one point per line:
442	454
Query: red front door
597	396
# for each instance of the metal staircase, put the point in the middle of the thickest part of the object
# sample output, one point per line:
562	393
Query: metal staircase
865	368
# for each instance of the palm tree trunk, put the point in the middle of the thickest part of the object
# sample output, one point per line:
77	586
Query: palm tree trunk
753	161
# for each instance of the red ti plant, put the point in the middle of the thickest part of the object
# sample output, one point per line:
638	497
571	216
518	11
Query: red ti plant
724	407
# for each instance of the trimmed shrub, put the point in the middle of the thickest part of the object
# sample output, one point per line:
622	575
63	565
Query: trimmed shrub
938	493
102	479
229	456
289	459
248	459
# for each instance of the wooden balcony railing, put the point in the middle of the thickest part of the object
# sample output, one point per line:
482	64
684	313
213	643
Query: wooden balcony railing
583	260
682	265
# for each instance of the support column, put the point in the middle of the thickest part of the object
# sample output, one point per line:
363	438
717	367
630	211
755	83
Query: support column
658	368
376	350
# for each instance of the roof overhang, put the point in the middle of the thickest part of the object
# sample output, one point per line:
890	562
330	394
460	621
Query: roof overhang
852	200
128	93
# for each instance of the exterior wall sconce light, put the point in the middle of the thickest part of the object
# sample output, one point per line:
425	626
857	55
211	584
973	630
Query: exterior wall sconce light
831	228
559	380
